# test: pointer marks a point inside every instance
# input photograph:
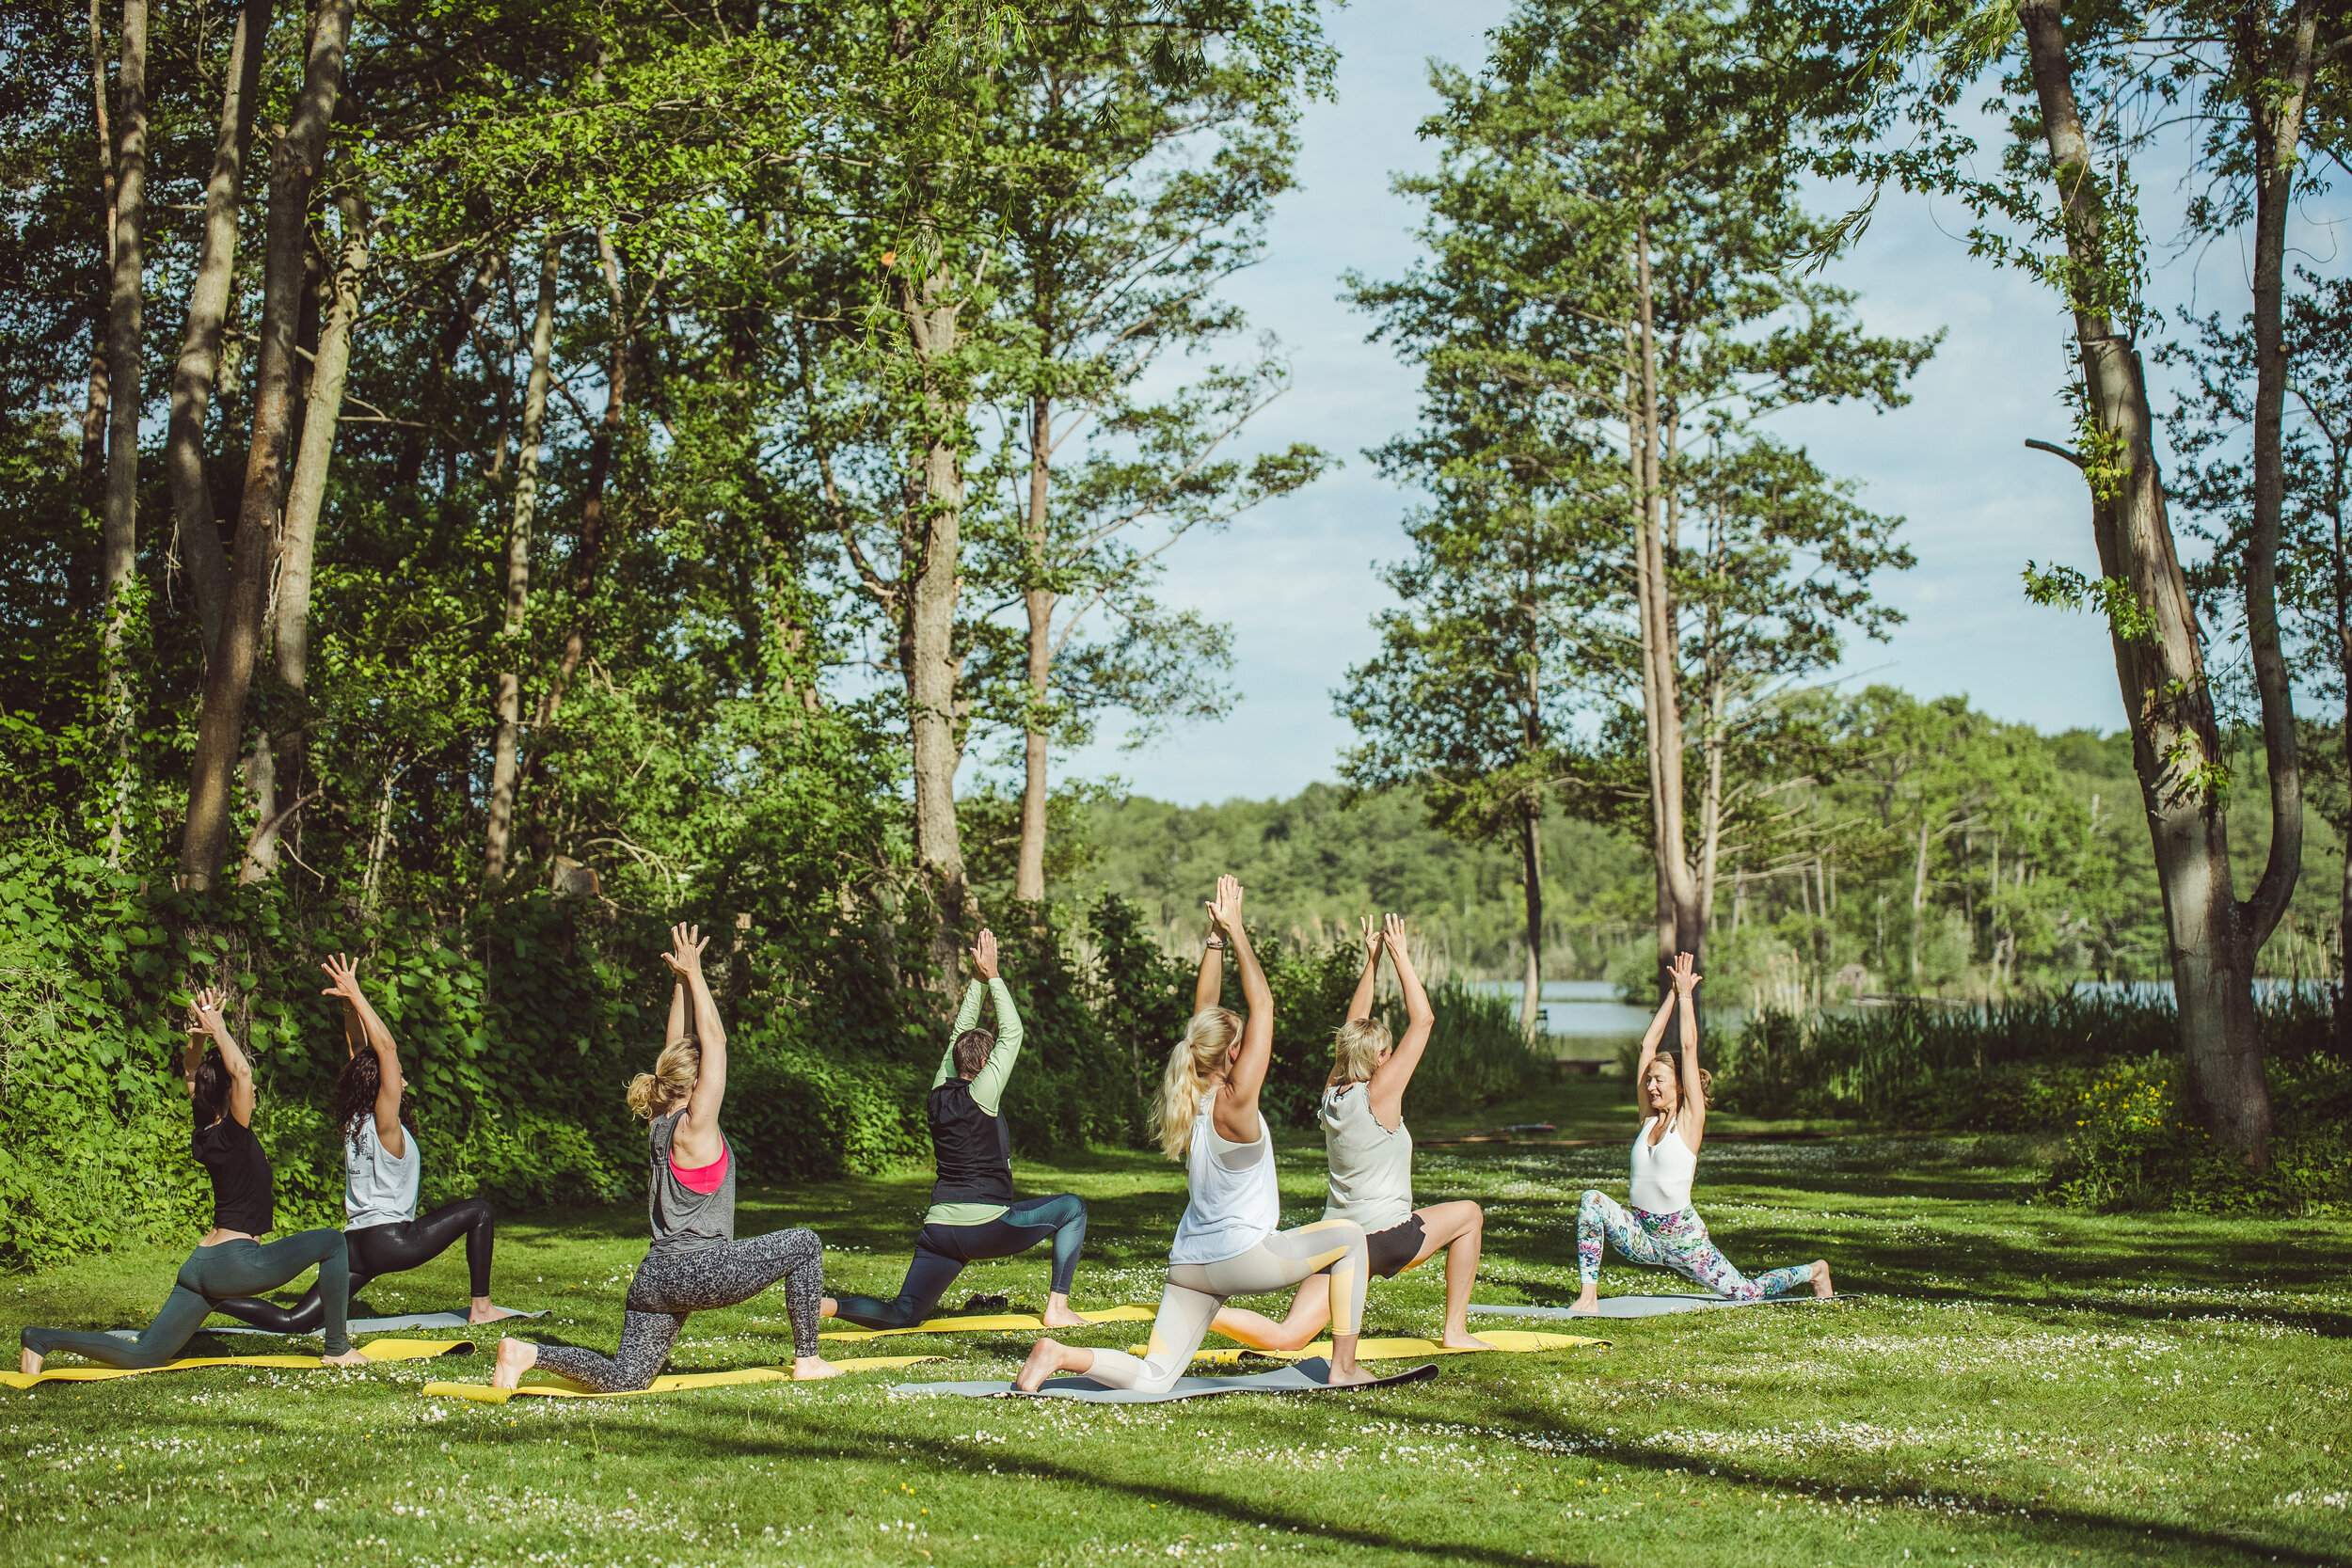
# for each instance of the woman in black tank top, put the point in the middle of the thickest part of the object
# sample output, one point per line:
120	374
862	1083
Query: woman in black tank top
231	1259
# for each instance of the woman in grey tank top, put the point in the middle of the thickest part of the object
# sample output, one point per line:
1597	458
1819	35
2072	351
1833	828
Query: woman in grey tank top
1371	1151
696	1263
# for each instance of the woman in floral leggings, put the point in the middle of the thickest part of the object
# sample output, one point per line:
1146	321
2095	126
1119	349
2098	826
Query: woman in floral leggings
1661	1229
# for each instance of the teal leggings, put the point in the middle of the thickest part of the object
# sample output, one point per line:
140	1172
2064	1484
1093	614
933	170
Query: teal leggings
238	1268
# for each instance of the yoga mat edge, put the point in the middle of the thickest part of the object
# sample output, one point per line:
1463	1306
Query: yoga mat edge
994	1323
1299	1378
379	1350
669	1383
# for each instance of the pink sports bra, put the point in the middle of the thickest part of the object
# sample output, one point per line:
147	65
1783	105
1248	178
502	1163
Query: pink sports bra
702	1178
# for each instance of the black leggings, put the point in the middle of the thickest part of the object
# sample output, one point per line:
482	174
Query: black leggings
941	1251
379	1250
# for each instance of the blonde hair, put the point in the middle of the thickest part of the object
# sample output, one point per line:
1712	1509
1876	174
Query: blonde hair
1356	1047
1673	1070
1195	1059
672	1078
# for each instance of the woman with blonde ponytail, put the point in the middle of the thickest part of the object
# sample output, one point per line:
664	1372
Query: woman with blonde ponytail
1371	1150
696	1263
1230	1241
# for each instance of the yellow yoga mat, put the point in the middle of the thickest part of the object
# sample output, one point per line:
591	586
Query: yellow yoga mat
378	1350
1000	1320
482	1393
1516	1340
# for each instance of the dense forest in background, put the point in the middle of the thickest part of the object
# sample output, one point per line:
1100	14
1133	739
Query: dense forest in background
2037	874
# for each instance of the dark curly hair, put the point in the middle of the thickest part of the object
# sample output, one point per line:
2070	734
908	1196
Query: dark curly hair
354	1093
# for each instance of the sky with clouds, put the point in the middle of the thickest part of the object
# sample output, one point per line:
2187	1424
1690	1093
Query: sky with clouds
1298	579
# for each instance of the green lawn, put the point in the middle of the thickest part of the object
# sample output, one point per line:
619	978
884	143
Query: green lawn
2018	1385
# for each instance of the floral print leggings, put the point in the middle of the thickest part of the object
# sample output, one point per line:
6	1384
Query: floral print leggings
1676	1241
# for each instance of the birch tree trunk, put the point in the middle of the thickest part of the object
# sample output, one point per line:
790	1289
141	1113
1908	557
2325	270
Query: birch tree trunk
932	548
306	493
2176	748
294	166
94	406
1531	882
198	365
1028	882
2277	127
506	758
125	332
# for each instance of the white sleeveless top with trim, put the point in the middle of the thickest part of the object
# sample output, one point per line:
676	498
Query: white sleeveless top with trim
1662	1176
1372	1165
1231	1206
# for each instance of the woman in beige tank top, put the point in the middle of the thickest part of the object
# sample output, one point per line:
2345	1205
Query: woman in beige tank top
1371	1164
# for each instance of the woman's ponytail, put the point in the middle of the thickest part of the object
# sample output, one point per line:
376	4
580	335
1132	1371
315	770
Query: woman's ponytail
1195	1059
672	1078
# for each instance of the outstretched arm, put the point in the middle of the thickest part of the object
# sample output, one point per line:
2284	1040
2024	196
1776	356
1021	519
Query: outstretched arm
1692	1123
988	1084
1237	1107
1209	984
1650	1036
1389	1080
1360	1005
209	1003
389	1082
697	1140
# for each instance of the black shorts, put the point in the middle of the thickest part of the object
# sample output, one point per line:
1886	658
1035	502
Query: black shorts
1389	1251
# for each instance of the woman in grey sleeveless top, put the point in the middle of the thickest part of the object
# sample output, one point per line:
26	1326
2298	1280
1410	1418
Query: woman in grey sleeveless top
1370	1152
695	1264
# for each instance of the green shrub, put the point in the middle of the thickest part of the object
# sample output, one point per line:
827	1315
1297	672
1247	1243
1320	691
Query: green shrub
2129	1140
1476	1055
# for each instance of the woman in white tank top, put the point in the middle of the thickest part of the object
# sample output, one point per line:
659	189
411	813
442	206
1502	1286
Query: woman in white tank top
1662	1229
1371	1151
1228	1242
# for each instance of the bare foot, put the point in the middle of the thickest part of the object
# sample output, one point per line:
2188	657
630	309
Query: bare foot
1058	1315
352	1357
807	1369
515	1357
482	1312
1046	1358
28	1363
1463	1339
1820	1278
827	1308
1348	1378
1588	1303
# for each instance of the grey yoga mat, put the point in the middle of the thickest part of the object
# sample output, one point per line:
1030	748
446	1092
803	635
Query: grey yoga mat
1303	1377
1643	1307
355	1326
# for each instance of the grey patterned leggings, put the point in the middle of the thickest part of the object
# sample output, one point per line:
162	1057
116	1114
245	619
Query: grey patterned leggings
670	1285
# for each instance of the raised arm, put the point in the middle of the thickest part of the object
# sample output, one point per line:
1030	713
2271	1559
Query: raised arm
674	1030
1236	1119
1650	1036
988	1084
1360	1005
209	1003
1209	984
1692	1122
698	1142
375	1037
1389	1080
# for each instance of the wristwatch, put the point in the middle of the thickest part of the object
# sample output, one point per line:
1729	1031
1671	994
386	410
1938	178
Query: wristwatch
1218	942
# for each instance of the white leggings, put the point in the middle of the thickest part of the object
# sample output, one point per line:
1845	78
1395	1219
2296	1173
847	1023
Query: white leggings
1195	1290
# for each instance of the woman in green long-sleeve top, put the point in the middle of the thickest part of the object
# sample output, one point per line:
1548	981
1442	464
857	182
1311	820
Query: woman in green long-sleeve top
974	1213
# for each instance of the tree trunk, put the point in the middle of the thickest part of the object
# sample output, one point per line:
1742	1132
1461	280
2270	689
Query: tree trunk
94	406
506	759
192	378
1918	896
306	493
931	564
294	165
2277	127
1028	882
588	560
125	331
1679	928
1532	879
2176	748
